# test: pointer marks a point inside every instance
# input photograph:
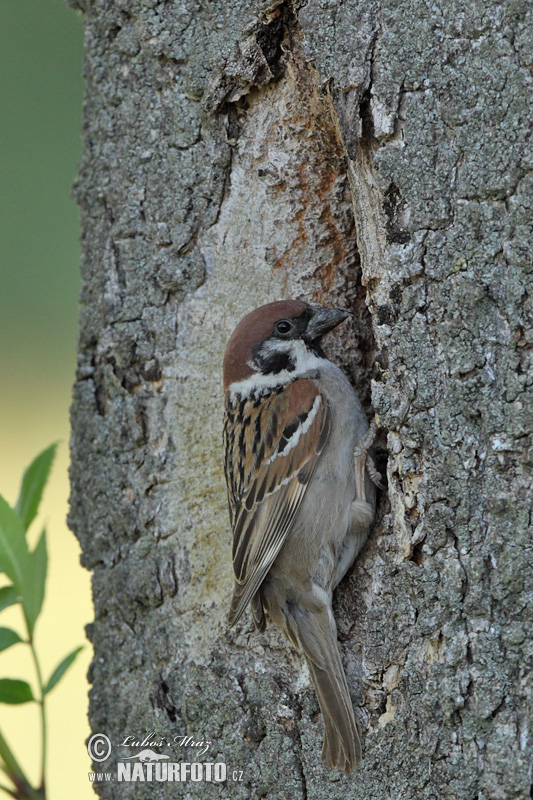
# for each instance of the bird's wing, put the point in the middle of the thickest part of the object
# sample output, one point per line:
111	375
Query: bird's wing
272	446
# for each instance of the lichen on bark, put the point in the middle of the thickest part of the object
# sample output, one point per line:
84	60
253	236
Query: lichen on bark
370	155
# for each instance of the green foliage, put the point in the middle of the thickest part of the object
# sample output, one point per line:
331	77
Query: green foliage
8	638
33	596
60	670
14	553
8	597
26	569
15	692
33	484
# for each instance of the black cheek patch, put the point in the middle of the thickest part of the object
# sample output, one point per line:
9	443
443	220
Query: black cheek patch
271	363
277	362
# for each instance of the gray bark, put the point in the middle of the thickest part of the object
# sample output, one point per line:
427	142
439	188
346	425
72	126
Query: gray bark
371	155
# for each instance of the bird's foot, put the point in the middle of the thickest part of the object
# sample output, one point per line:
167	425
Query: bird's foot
363	459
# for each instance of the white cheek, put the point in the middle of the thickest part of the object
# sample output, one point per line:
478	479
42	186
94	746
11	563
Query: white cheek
303	359
304	362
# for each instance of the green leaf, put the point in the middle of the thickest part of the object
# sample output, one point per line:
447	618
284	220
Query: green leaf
33	484
60	670
14	553
11	767
14	691
8	597
26	570
8	638
32	600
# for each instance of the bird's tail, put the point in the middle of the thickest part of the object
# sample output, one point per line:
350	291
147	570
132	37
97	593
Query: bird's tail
314	633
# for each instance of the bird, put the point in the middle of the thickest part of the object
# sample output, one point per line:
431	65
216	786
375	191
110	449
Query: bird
300	493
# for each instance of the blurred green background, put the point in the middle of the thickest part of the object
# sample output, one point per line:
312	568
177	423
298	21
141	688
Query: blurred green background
41	90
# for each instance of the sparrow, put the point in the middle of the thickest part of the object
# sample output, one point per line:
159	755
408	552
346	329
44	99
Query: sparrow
301	498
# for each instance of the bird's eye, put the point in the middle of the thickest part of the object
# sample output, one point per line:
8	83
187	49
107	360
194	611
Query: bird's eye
283	327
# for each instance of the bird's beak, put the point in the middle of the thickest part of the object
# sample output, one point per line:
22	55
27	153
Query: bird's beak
324	320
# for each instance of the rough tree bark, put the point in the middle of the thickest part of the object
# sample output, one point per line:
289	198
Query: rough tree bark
369	154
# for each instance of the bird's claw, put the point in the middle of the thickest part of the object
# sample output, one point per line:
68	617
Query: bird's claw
373	474
361	452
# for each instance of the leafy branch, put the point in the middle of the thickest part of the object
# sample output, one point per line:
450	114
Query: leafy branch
26	569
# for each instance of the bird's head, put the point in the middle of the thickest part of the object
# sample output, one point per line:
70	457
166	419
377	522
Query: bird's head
278	342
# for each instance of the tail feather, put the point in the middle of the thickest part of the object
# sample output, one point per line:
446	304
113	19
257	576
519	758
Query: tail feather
315	636
342	742
258	612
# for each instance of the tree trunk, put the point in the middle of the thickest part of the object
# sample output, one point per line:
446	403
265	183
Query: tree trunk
365	155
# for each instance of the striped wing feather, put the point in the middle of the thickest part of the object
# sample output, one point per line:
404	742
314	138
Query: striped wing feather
271	448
